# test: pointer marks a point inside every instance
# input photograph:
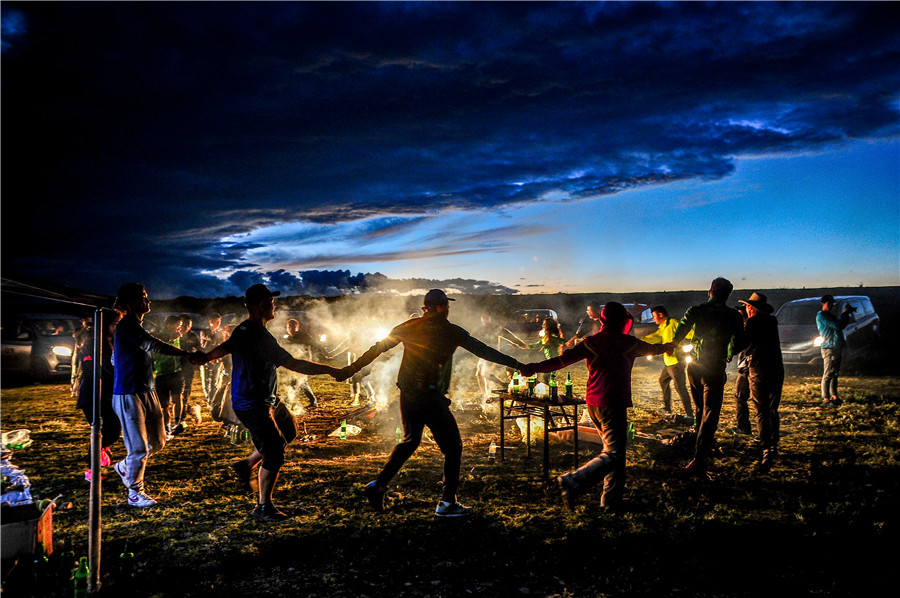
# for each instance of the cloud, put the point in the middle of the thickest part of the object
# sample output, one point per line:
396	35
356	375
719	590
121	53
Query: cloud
334	283
242	117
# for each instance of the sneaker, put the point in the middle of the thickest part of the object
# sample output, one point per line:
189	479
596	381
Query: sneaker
178	429
119	468
567	487
137	498
105	456
374	495
268	512
451	509
244	474
739	431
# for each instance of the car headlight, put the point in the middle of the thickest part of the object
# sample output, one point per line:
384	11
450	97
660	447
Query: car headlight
687	348
688	359
62	351
802	346
323	338
818	341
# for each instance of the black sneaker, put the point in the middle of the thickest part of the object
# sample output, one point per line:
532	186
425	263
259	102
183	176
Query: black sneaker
268	512
374	495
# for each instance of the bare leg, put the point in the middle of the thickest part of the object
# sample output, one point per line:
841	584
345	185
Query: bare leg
267	481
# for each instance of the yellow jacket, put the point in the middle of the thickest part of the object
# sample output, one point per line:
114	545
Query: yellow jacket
664	334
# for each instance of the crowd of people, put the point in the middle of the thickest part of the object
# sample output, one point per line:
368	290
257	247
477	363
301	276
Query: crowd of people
148	380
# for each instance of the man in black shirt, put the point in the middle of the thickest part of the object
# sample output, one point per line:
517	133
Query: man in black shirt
424	377
716	328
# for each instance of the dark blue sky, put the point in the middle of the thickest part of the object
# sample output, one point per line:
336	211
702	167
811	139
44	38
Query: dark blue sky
200	147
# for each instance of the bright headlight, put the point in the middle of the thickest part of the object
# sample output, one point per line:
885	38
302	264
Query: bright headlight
688	359
687	348
62	351
818	341
323	338
649	358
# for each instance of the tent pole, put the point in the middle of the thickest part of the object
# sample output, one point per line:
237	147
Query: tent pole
94	521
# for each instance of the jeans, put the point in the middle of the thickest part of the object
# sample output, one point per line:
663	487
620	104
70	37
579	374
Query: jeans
675	373
765	393
831	359
707	383
418	411
741	396
609	465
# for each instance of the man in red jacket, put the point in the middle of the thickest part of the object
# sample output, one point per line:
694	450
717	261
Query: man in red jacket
610	355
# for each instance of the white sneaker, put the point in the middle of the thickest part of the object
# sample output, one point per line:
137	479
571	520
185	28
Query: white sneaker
119	468
451	509
139	499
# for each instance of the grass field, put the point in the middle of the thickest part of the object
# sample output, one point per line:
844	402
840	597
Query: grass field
822	522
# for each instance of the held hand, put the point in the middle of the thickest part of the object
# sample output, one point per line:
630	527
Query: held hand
197	358
341	374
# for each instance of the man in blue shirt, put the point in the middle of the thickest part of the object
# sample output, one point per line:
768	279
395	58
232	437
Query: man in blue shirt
831	329
134	395
256	356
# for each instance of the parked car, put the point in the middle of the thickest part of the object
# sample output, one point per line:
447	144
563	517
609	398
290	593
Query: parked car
38	345
643	319
800	340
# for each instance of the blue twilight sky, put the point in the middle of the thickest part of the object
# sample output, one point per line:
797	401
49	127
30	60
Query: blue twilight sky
326	148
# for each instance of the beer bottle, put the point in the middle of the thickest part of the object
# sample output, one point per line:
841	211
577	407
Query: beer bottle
554	388
343	429
569	393
399	432
515	383
631	431
126	563
81	578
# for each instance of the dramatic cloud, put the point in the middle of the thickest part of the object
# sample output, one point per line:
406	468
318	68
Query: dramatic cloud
154	135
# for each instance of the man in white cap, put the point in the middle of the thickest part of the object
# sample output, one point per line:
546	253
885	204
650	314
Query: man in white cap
423	379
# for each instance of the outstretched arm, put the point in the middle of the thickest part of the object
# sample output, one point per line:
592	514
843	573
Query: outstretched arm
310	367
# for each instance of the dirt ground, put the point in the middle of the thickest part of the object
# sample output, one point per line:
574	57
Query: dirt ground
822	522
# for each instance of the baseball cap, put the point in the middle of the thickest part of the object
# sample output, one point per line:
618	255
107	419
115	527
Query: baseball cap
257	293
437	297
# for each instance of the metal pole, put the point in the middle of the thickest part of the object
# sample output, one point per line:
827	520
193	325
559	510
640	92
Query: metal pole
94	522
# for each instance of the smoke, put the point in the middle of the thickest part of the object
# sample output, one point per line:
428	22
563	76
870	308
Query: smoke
343	329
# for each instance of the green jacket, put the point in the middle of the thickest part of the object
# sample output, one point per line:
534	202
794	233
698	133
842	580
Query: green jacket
664	334
549	344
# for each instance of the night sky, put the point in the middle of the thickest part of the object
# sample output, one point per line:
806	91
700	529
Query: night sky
483	147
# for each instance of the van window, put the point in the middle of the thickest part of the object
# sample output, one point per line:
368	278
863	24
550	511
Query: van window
798	314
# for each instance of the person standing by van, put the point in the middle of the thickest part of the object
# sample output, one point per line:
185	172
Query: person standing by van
831	329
